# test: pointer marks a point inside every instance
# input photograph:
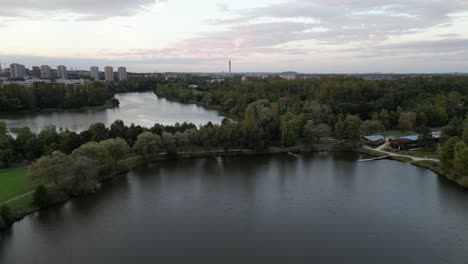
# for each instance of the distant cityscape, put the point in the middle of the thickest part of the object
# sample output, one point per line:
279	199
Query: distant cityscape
19	74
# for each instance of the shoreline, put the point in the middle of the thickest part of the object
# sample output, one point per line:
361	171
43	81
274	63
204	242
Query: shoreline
134	162
60	197
107	105
461	181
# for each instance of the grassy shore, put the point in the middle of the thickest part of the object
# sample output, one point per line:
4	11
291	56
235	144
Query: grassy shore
14	183
436	167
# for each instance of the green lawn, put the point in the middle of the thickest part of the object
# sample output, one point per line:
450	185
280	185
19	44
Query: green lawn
13	183
424	152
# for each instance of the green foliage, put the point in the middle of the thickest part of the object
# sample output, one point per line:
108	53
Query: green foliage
16	98
351	128
447	154
53	168
6	214
41	196
148	145
99	153
370	127
407	121
316	132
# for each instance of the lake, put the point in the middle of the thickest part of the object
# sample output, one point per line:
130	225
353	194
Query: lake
317	208
143	109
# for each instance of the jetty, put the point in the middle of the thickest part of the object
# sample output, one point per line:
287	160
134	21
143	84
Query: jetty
376	158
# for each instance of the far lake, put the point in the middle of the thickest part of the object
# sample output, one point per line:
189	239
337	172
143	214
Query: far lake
317	208
143	109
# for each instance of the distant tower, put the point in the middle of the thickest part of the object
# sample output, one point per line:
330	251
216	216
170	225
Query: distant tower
230	67
62	72
122	73
94	73
109	73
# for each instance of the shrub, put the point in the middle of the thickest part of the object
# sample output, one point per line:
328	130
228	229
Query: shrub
41	196
6	214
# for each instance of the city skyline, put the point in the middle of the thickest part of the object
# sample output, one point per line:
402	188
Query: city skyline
265	36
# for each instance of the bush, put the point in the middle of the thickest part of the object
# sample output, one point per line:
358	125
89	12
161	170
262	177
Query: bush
2	224
6	214
41	196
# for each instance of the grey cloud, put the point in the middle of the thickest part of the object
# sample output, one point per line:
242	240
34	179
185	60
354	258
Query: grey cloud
90	9
357	19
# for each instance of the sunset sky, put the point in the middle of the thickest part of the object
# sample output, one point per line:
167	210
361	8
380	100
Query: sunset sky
320	36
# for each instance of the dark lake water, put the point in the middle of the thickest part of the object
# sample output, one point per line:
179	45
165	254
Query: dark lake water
318	208
143	109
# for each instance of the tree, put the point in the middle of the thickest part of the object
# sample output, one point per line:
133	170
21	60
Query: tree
99	132
465	130
117	148
41	196
169	141
99	153
370	127
6	146
317	132
85	174
148	145
384	118
351	128
340	129
6	214
54	168
461	158
407	121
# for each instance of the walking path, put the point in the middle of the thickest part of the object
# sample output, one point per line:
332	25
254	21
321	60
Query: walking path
382	150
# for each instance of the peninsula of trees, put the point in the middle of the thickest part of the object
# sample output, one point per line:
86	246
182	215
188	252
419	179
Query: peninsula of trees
14	97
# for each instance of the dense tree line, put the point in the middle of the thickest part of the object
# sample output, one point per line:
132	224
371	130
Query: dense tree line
133	85
14	97
431	102
454	153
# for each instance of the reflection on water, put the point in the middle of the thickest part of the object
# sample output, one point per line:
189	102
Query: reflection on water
320	208
143	109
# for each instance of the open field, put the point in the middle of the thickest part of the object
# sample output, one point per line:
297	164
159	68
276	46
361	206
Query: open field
13	183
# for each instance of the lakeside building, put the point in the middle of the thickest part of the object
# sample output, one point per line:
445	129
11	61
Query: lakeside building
94	73
122	73
109	73
46	72
17	71
62	72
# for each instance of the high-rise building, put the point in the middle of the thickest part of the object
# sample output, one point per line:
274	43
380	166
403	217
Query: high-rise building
94	73
122	73
17	70
62	72
46	72
109	73
36	72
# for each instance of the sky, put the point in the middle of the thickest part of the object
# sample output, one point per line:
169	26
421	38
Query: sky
309	36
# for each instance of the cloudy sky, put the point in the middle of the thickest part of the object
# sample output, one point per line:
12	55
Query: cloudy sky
339	36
